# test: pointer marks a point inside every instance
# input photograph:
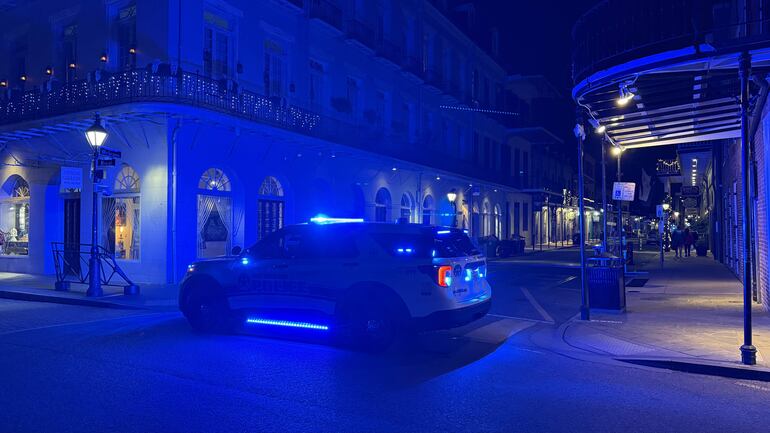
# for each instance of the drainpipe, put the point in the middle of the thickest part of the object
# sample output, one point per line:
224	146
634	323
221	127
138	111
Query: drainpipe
171	276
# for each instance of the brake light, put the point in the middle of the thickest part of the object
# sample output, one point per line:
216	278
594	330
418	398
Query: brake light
444	276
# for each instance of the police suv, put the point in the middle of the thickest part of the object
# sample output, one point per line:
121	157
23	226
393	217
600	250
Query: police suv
364	283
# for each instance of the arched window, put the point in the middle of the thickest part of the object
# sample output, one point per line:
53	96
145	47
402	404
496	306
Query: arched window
486	221
382	205
407	207
427	210
214	179
121	215
270	207
14	217
498	222
214	231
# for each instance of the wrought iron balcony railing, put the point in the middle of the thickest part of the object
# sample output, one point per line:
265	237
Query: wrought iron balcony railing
617	31
361	32
326	11
145	86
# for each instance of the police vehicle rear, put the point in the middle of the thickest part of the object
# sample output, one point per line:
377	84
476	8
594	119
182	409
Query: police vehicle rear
357	282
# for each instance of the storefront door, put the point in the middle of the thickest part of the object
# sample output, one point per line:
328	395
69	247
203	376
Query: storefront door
72	236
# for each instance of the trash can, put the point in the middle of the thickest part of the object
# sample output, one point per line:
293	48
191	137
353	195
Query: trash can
606	283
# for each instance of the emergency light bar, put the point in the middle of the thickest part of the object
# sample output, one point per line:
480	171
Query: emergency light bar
328	220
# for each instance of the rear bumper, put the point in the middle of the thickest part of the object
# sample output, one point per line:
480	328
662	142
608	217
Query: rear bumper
446	319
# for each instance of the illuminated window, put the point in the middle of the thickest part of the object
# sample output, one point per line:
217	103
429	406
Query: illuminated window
214	230
270	207
407	207
427	209
486	222
122	216
382	204
498	221
14	217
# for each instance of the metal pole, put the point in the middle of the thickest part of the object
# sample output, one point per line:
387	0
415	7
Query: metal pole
604	193
620	214
748	351
94	265
585	311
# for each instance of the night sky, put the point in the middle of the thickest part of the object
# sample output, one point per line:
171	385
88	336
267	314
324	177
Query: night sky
536	38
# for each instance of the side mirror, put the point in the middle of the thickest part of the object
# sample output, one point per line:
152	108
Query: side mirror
237	250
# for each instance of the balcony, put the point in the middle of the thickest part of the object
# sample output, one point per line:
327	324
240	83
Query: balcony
435	79
139	86
359	32
327	12
412	65
617	31
389	51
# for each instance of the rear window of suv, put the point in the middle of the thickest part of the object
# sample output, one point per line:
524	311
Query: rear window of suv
445	245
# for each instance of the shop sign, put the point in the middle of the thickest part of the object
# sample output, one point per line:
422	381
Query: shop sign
690	190
71	179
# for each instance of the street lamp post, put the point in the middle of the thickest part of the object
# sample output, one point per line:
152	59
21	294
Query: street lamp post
452	197
95	135
604	194
585	308
618	152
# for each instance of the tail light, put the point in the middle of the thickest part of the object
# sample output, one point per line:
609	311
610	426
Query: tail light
444	276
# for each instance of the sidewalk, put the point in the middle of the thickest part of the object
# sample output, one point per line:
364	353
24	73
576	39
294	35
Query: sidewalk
41	288
691	311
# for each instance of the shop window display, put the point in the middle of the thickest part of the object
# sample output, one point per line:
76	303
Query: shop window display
14	217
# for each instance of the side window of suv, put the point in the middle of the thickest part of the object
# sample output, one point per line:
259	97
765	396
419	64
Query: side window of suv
321	243
271	247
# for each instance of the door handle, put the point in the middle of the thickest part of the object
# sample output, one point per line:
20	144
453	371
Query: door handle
280	266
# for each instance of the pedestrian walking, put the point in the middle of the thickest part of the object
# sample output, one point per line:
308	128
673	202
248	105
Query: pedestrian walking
688	241
677	241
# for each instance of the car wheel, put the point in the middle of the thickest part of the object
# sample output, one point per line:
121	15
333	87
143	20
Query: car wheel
372	326
207	313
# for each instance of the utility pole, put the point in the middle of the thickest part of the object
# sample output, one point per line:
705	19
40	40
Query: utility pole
748	351
585	311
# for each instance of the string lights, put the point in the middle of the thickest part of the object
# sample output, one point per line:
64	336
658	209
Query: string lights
135	85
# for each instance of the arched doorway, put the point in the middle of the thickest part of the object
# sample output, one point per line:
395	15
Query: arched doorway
215	214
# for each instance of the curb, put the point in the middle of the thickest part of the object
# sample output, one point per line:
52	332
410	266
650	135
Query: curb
704	368
88	302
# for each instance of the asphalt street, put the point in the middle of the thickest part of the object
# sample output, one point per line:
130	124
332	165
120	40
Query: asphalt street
83	369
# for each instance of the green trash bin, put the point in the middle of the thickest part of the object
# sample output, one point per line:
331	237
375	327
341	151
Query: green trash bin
606	283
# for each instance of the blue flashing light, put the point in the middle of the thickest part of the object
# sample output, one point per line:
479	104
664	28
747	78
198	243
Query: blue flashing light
465	231
408	250
286	324
323	219
443	232
433	253
404	250
244	260
468	275
448	280
400	250
190	268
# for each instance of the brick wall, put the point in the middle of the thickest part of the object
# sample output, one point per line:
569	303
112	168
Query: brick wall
761	143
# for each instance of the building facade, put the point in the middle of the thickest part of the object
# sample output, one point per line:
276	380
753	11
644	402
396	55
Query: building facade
235	118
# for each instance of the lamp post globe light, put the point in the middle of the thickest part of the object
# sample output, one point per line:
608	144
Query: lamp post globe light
452	197
95	134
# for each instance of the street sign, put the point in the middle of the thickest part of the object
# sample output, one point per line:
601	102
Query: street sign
623	191
111	153
105	162
659	211
688	190
71	179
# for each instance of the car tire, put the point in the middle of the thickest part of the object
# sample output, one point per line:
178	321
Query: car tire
207	313
372	324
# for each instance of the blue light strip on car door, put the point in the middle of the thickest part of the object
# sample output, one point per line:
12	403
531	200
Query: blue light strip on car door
286	324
